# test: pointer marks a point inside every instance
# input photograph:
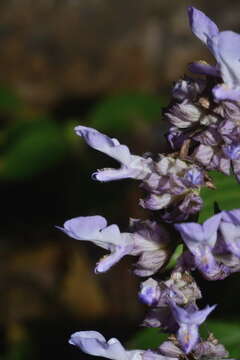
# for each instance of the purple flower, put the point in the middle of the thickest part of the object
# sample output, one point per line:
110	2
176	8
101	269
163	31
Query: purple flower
173	187
94	343
180	287
95	229
232	151
189	319
150	292
230	231
132	166
200	240
150	241
225	48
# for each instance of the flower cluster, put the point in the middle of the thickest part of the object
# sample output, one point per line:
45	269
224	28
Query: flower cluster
206	111
205	135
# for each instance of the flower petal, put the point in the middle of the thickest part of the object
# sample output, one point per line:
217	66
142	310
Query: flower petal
93	343
202	26
84	227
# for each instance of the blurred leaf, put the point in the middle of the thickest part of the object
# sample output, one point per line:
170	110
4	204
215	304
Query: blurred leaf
9	102
226	332
121	113
149	338
19	351
227	195
32	148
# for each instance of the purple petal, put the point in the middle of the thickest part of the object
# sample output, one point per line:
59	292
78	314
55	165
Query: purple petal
115	174
232	151
203	68
232	216
226	49
194	177
84	227
188	320
223	92
95	230
132	166
103	143
188	337
117	253
231	237
203	27
93	343
149	292
210	228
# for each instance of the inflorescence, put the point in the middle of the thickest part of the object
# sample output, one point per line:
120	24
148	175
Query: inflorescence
204	135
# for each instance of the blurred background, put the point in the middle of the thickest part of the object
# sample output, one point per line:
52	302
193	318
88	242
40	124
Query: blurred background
108	64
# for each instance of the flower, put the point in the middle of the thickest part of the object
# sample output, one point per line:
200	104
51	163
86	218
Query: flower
201	240
173	187
230	231
132	166
189	319
180	287
94	343
149	241
224	45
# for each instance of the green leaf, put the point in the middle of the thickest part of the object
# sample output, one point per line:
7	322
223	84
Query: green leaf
149	338
122	113
178	251
227	195
33	148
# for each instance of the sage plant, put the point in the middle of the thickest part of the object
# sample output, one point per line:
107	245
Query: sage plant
204	134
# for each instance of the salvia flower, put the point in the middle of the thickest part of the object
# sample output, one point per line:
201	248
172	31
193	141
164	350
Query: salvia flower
132	166
204	133
174	186
201	240
230	231
94	343
149	241
224	45
189	319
